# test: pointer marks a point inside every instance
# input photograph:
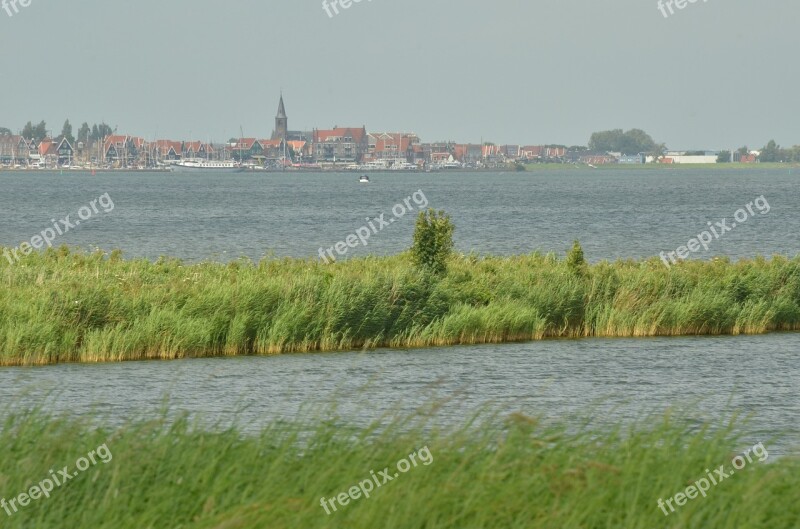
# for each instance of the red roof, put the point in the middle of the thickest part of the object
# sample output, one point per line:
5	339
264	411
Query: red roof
47	146
392	141
197	146
115	139
245	144
164	146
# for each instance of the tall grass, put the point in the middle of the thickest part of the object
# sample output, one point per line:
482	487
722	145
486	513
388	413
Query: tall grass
61	306
511	473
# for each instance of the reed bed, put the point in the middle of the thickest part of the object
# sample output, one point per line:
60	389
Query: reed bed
515	472
67	306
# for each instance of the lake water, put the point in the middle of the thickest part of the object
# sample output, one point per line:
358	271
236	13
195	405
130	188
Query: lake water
612	380
629	213
632	213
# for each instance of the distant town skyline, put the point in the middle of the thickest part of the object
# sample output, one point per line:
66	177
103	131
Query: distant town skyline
715	76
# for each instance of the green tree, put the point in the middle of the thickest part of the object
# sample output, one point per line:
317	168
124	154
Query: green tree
575	259
27	131
66	132
634	141
433	241
83	133
605	141
40	131
724	157
5	132
770	153
100	132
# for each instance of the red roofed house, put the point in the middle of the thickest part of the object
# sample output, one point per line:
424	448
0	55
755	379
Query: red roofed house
55	152
392	146
246	149
123	150
301	150
530	152
197	149
167	149
340	144
536	152
295	151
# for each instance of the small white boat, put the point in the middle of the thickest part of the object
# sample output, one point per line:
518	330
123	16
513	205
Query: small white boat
364	179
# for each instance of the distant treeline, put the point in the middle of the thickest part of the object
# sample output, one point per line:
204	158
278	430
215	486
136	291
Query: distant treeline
86	134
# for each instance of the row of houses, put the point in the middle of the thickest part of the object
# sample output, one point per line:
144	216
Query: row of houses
16	150
339	145
322	147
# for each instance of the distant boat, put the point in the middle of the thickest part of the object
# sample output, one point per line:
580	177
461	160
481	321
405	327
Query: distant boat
364	179
192	165
375	165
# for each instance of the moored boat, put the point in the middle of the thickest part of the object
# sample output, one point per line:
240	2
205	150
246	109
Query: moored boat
196	164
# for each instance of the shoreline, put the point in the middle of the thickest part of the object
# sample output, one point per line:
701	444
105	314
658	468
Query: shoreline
529	168
66	307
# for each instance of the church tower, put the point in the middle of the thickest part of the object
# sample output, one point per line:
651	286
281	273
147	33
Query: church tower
281	123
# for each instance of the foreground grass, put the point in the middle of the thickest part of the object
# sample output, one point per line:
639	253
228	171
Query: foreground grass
514	473
74	307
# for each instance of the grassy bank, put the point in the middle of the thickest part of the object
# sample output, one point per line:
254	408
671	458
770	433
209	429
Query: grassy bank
512	473
74	307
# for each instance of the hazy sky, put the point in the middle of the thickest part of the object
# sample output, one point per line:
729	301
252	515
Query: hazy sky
715	74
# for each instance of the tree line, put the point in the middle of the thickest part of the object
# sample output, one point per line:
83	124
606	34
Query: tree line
86	134
771	152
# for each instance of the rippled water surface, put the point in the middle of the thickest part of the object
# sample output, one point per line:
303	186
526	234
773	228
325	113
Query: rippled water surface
625	213
619	379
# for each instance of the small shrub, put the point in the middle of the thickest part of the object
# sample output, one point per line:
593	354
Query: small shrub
433	241
575	260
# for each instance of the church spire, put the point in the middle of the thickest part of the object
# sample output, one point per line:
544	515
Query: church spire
281	130
281	110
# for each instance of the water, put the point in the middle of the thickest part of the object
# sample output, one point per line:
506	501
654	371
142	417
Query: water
621	380
629	213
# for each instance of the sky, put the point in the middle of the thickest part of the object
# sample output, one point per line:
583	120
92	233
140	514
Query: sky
713	75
